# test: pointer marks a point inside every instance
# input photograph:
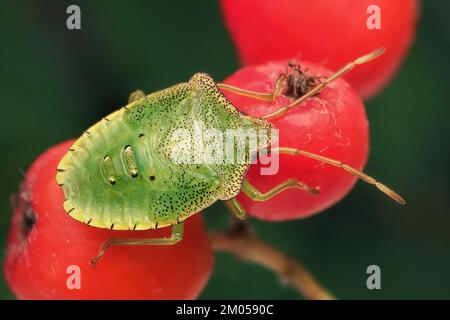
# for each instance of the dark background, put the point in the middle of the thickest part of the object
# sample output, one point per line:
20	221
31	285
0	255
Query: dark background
54	83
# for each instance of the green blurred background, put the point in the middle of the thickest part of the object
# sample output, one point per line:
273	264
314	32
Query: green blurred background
56	82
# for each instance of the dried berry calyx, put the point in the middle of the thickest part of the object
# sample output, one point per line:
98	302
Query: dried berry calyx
20	201
298	82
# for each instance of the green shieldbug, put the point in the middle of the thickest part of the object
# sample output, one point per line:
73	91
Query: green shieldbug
121	174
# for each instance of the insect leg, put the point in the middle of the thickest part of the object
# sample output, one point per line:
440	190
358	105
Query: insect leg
254	94
361	175
236	208
323	84
176	236
136	95
257	195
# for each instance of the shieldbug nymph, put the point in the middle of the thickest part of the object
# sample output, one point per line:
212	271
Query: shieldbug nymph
126	173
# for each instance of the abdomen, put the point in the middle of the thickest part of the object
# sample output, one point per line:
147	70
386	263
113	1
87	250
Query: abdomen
113	177
106	177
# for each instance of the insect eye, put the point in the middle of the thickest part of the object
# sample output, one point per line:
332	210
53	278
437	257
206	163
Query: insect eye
112	181
134	174
152	178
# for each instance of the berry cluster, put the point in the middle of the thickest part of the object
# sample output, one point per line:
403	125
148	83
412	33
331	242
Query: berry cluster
300	39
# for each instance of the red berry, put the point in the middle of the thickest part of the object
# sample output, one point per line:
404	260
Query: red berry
324	31
44	241
332	124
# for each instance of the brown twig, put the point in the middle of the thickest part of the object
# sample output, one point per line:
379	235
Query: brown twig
244	244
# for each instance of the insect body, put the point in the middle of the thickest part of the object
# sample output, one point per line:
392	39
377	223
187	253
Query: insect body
122	174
